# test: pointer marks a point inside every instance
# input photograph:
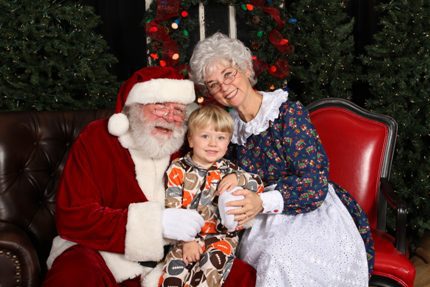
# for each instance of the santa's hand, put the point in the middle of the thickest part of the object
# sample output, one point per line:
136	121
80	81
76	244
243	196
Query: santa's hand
181	224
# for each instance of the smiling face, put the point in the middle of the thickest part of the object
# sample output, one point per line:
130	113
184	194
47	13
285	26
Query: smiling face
208	145
163	118
157	129
228	85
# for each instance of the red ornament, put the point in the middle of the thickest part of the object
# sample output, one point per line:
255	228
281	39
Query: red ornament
154	56
273	69
184	14
249	7
162	63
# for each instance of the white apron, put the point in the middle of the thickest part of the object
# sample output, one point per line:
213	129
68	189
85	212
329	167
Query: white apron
319	248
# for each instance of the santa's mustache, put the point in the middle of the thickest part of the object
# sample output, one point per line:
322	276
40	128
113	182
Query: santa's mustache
162	125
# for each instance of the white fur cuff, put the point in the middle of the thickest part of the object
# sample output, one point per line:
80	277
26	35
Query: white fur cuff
152	278
59	245
144	232
121	268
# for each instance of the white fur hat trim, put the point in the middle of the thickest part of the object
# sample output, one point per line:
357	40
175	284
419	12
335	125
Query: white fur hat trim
162	91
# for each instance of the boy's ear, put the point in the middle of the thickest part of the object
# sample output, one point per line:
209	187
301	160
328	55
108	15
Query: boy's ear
190	142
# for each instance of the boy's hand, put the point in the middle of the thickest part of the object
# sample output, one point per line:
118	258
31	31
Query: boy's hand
228	182
191	252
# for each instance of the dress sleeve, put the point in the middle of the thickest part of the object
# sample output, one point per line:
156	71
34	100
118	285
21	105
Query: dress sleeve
175	197
304	183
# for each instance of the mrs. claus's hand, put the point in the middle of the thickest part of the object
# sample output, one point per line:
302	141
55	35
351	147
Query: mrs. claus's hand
247	208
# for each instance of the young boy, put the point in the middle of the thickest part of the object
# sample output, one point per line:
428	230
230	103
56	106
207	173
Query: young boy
194	182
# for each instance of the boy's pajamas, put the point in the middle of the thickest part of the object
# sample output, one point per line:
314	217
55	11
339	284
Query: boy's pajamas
192	187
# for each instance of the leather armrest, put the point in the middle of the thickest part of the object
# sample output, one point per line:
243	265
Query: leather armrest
401	213
19	264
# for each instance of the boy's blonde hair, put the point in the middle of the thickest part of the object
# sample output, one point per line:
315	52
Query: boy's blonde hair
210	115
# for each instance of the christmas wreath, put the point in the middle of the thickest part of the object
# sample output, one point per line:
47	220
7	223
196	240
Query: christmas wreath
168	28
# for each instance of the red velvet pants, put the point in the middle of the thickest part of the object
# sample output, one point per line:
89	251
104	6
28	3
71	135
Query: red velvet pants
80	266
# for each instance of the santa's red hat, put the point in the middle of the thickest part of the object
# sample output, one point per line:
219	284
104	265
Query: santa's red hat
150	85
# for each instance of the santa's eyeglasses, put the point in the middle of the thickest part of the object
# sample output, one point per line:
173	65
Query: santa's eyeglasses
177	111
229	75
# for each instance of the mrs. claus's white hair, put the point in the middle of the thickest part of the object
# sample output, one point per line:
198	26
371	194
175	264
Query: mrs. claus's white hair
216	49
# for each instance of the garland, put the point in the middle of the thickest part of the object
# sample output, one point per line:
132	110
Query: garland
168	27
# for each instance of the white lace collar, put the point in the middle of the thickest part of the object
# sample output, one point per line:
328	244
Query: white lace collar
269	111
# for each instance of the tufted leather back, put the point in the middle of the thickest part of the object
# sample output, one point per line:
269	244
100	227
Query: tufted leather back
33	150
359	145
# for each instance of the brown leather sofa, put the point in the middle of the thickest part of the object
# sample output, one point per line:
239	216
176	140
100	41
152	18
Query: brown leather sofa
33	150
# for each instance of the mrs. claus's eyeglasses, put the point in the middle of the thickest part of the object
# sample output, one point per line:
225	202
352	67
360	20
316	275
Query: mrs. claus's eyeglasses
228	78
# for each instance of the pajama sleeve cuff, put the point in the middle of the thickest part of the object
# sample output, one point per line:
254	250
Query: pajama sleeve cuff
273	202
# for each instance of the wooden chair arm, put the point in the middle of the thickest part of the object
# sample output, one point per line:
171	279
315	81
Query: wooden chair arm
401	213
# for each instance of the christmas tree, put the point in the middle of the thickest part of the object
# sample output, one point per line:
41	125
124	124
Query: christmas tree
398	65
322	64
51	58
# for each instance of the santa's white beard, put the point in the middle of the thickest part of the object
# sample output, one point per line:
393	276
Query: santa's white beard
154	145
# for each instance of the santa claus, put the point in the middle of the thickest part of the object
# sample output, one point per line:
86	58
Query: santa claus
110	213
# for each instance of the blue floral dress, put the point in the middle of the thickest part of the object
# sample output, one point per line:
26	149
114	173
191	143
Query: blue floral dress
322	237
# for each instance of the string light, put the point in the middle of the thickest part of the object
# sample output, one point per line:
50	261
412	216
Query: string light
283	42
